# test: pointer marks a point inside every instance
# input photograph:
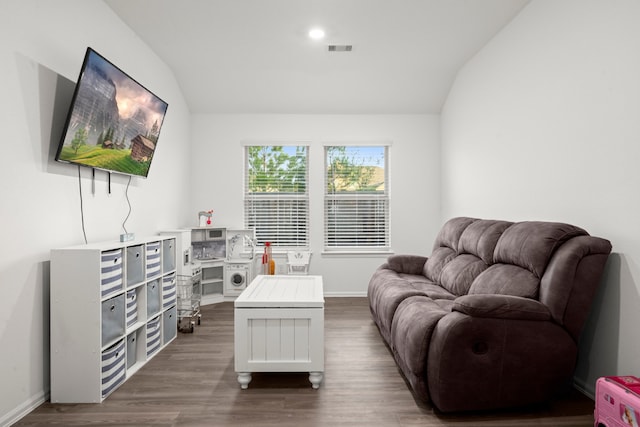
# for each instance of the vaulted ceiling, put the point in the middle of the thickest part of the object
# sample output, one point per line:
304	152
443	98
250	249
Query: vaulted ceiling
255	56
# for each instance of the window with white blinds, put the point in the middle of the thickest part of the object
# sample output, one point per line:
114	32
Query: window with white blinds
356	201
276	194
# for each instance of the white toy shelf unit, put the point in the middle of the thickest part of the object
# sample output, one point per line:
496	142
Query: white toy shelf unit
113	307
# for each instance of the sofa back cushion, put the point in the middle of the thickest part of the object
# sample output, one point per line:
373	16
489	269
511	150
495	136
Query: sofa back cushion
531	244
477	256
459	273
463	249
521	257
481	237
506	279
445	248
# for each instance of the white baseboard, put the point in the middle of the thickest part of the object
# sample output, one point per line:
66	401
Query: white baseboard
21	411
346	294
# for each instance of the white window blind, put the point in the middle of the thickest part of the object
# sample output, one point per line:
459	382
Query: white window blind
276	195
356	204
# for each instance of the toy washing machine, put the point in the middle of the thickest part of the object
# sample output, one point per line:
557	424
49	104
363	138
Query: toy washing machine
238	274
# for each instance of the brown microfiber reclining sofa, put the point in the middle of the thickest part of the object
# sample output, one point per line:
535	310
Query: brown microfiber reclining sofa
491	319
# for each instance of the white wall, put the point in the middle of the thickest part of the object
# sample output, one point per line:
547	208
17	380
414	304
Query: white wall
42	44
217	173
544	124
541	124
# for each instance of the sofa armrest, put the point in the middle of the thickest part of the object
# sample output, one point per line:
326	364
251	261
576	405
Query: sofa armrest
408	264
501	307
482	362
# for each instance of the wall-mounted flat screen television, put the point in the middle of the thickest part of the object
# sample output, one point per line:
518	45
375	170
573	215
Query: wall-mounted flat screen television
113	123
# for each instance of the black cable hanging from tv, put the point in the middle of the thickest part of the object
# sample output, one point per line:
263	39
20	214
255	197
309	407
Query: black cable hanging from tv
84	232
126	195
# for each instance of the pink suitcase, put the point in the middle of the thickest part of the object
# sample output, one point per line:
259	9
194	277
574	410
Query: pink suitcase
617	402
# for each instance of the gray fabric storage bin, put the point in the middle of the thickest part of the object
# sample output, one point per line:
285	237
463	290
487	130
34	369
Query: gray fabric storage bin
153	259
153	298
169	324
168	255
135	264
132	347
112	318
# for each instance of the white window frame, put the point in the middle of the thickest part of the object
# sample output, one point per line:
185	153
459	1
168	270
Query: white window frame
381	201
278	227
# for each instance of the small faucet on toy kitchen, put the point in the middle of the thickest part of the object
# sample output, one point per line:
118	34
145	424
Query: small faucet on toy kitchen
268	263
204	218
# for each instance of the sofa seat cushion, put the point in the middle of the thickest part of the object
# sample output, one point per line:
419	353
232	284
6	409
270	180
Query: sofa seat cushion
446	304
427	287
389	288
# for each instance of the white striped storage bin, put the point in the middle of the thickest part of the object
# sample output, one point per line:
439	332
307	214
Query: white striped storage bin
113	367
153	259
132	308
154	339
169	290
110	272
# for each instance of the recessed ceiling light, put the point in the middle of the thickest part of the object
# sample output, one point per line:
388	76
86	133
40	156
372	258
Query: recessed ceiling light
316	33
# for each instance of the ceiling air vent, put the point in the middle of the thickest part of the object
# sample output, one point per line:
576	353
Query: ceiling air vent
340	48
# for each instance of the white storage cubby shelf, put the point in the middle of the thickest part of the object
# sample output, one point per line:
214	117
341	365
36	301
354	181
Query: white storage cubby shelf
113	307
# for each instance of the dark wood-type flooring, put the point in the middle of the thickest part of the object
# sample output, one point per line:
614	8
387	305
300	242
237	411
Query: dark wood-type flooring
192	383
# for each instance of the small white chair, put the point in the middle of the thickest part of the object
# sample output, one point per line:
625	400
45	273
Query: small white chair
298	262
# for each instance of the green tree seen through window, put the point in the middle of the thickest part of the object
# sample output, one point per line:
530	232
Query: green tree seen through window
276	200
356	204
277	169
355	169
